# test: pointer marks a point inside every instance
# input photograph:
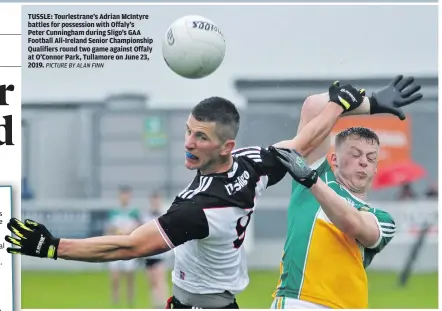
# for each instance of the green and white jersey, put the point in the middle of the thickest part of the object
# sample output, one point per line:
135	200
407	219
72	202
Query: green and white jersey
321	264
124	220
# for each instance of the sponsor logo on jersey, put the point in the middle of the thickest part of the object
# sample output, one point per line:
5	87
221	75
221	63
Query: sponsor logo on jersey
182	275
239	183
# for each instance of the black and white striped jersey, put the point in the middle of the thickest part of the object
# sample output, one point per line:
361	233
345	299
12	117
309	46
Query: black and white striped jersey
206	224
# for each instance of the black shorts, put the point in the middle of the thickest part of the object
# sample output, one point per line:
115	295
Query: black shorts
173	303
150	262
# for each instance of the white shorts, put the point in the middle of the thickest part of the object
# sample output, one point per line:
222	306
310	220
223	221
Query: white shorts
123	265
292	303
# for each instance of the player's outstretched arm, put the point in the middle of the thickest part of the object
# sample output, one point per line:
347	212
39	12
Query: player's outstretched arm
319	115
316	110
184	221
360	225
34	239
144	241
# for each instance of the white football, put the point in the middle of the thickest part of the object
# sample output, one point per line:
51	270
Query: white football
194	47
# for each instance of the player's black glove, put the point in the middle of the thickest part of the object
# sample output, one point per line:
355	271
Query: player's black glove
33	239
398	93
296	165
346	96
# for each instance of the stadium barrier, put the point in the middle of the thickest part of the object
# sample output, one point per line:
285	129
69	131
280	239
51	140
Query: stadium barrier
87	218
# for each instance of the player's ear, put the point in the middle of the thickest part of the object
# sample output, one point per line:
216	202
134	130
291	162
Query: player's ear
334	159
227	147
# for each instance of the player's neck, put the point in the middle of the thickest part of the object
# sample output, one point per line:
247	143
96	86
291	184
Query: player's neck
360	194
222	167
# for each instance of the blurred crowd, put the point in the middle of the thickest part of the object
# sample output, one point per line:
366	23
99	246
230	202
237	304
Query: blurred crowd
407	192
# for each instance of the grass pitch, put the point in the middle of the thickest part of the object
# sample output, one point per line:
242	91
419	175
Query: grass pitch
91	290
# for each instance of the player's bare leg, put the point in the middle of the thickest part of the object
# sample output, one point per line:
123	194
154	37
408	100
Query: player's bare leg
130	277
115	285
159	288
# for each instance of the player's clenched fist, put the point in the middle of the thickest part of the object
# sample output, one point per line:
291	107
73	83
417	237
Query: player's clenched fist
346	96
32	239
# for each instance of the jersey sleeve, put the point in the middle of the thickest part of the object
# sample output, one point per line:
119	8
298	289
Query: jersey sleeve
387	229
184	221
265	162
322	166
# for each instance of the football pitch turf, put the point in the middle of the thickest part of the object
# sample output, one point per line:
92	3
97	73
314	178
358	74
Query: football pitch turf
91	290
